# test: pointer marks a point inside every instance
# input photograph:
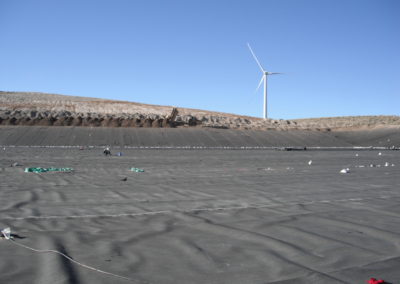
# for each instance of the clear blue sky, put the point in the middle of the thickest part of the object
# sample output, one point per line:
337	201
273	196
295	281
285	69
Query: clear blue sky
341	57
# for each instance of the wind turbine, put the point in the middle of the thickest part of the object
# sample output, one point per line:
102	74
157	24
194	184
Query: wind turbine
263	78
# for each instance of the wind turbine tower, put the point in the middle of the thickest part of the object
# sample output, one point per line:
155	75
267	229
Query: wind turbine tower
264	77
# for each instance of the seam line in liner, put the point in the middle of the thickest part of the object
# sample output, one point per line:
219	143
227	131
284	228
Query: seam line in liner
197	209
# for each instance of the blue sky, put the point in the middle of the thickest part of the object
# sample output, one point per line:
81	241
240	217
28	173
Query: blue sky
340	57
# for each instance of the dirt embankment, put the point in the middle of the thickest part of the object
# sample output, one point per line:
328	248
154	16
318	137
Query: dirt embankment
67	118
18	108
348	123
58	110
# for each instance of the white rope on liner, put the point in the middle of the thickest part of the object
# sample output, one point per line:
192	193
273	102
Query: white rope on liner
7	235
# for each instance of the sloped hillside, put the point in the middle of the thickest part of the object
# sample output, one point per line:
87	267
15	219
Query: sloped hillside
18	108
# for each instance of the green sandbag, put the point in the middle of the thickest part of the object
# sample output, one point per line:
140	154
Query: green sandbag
44	170
137	170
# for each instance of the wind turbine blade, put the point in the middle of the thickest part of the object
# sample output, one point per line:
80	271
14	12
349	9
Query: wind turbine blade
273	73
259	84
255	58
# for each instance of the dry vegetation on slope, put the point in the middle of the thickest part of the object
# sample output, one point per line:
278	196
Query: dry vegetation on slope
18	108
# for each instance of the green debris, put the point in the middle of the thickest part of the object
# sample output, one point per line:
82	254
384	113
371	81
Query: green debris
137	170
44	170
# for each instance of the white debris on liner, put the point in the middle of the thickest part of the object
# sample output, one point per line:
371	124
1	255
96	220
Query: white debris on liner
356	155
379	154
6	233
345	171
310	162
386	164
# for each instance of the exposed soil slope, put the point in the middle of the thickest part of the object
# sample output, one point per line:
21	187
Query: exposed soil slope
17	108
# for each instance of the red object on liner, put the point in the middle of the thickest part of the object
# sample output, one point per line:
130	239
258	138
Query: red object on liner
375	281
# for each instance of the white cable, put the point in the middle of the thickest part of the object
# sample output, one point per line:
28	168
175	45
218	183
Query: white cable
77	262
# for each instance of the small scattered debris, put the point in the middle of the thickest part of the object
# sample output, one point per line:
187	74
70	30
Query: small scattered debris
137	170
356	155
265	169
387	164
294	148
107	151
345	171
379	154
45	170
124	179
119	154
309	162
6	233
16	164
